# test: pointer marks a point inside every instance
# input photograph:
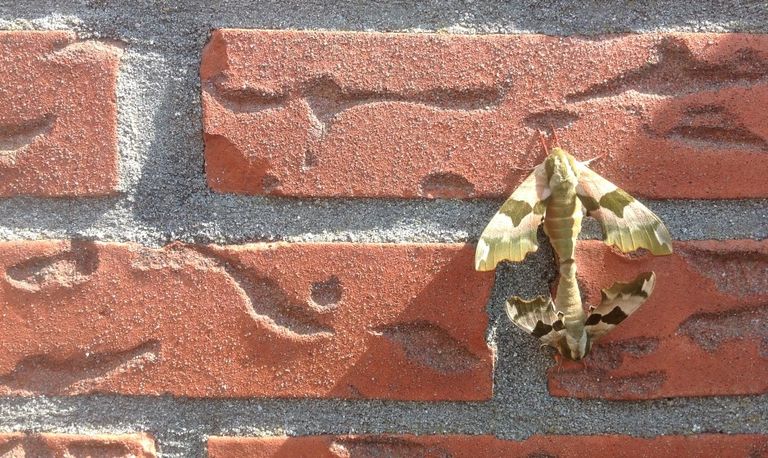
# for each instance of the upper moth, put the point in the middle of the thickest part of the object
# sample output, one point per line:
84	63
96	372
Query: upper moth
559	192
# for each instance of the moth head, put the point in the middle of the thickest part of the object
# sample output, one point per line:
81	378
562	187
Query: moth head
561	169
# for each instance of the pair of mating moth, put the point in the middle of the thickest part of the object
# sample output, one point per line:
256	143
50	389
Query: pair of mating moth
559	192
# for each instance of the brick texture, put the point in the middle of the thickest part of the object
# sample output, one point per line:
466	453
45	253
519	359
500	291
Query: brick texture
702	332
20	445
720	445
277	320
425	115
58	115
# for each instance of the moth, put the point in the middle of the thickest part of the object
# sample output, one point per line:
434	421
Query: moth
559	192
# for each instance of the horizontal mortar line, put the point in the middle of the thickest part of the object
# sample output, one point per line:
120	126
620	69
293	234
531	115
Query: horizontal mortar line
719	21
168	418
189	49
213	218
258	431
361	407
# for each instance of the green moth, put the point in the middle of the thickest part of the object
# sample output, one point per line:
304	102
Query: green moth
559	192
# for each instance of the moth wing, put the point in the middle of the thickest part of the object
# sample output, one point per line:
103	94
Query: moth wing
538	318
618	302
627	224
511	233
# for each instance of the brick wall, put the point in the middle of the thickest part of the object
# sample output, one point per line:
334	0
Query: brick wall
226	240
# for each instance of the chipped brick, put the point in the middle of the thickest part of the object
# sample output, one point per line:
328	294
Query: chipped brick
58	115
402	321
564	446
14	445
328	114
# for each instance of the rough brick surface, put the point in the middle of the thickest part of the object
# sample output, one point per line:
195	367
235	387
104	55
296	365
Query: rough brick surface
304	320
404	115
703	331
58	115
20	445
719	445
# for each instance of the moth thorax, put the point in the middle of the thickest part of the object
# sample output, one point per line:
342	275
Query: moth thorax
561	170
565	175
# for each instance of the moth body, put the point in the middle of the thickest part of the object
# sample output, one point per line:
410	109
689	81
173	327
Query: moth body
562	224
558	193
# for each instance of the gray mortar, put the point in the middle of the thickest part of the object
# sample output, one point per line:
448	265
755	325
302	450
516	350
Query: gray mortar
164	198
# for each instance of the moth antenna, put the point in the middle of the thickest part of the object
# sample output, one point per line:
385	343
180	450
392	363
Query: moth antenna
554	135
543	143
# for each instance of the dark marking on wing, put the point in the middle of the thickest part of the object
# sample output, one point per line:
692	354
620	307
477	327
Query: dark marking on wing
593	319
615	316
635	287
541	329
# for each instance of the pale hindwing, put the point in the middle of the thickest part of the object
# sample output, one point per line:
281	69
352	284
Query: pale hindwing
618	302
627	223
537	317
511	233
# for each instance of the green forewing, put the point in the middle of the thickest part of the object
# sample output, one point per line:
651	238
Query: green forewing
511	233
626	223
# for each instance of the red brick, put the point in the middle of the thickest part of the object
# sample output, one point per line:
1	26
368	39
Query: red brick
274	320
701	333
13	445
58	115
719	445
426	115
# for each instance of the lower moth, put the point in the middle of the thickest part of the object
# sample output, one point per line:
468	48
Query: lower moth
559	192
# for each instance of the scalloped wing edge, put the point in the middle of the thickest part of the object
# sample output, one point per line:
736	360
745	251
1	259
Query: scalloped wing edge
619	302
537	317
511	233
627	224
